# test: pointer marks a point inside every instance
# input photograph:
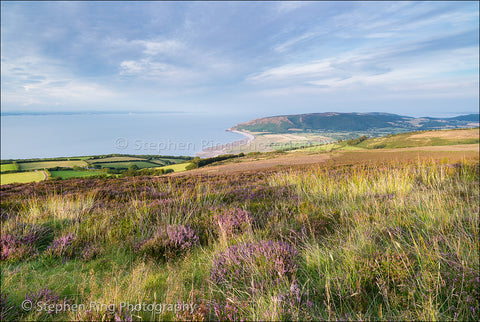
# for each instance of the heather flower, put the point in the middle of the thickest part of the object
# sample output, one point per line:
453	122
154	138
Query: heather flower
8	244
13	248
254	265
46	298
23	240
228	311
111	314
169	242
181	237
292	302
233	221
62	246
89	252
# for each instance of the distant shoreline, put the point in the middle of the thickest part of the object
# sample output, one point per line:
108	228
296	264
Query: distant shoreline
223	148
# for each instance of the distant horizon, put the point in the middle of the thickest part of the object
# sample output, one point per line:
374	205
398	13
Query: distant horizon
121	112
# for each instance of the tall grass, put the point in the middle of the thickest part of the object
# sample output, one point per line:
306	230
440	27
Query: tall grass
366	242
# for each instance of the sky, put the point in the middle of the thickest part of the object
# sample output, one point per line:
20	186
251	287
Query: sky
242	58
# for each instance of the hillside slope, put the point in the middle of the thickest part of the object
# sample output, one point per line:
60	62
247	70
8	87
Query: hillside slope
348	122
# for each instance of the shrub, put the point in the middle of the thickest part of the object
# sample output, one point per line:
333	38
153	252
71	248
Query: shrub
38	236
62	247
113	313
46	298
90	252
191	166
169	242
233	222
254	266
14	248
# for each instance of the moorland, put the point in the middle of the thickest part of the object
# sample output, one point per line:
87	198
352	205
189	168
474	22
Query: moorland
361	229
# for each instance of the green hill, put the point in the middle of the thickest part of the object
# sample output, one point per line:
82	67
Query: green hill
350	122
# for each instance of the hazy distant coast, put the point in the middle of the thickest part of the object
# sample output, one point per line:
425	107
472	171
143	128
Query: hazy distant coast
224	148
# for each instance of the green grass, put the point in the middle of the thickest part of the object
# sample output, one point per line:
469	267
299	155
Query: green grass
125	165
176	167
174	160
115	159
27	166
22	177
67	174
8	167
158	162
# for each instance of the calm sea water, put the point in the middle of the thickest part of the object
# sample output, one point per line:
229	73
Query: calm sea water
41	136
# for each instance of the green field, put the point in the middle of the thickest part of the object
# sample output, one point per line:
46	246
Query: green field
158	162
176	167
67	174
125	165
26	166
115	159
173	160
8	167
22	177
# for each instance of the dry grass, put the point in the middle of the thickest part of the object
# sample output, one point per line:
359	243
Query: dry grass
449	134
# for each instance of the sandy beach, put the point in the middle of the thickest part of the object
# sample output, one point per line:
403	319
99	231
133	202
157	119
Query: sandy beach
224	148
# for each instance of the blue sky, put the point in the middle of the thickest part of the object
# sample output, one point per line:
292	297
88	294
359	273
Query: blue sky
249	58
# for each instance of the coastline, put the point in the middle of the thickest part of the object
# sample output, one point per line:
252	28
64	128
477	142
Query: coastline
224	148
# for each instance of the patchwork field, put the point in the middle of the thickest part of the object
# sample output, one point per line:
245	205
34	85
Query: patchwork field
77	167
22	177
8	167
176	167
115	159
27	166
126	165
67	174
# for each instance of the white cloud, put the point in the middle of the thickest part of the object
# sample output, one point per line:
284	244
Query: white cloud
383	71
33	80
173	62
146	68
287	6
153	48
289	43
288	72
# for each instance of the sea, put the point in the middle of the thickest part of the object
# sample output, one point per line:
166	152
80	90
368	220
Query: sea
27	136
